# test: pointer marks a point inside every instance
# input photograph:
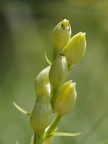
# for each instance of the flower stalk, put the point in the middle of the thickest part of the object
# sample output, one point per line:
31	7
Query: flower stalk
38	138
53	126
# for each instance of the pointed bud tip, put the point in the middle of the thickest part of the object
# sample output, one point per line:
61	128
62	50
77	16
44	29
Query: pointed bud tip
66	22
83	34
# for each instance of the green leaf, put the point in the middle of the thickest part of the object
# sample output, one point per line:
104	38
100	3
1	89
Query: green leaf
20	109
61	134
65	134
48	61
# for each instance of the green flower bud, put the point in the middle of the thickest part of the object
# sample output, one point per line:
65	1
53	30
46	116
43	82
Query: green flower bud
42	84
61	34
58	71
75	49
66	98
41	114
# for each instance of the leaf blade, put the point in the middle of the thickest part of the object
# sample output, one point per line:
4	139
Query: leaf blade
21	110
65	134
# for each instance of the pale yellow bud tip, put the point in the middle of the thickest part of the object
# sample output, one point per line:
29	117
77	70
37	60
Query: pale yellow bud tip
65	22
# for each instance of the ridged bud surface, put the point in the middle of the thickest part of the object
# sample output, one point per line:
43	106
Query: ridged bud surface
58	71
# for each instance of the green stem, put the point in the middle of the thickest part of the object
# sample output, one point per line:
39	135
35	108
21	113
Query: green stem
70	68
55	53
54	96
53	126
38	138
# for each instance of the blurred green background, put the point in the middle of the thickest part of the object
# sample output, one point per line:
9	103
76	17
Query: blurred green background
25	34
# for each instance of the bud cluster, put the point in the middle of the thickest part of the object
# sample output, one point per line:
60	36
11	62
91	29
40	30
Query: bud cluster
52	93
49	82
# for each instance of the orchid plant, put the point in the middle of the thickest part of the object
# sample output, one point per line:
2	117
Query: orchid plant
53	95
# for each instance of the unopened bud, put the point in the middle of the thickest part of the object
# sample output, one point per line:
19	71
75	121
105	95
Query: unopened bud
66	98
61	34
58	71
42	84
41	114
75	49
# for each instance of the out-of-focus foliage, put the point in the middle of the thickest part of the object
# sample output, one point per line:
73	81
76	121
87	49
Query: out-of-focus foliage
25	34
